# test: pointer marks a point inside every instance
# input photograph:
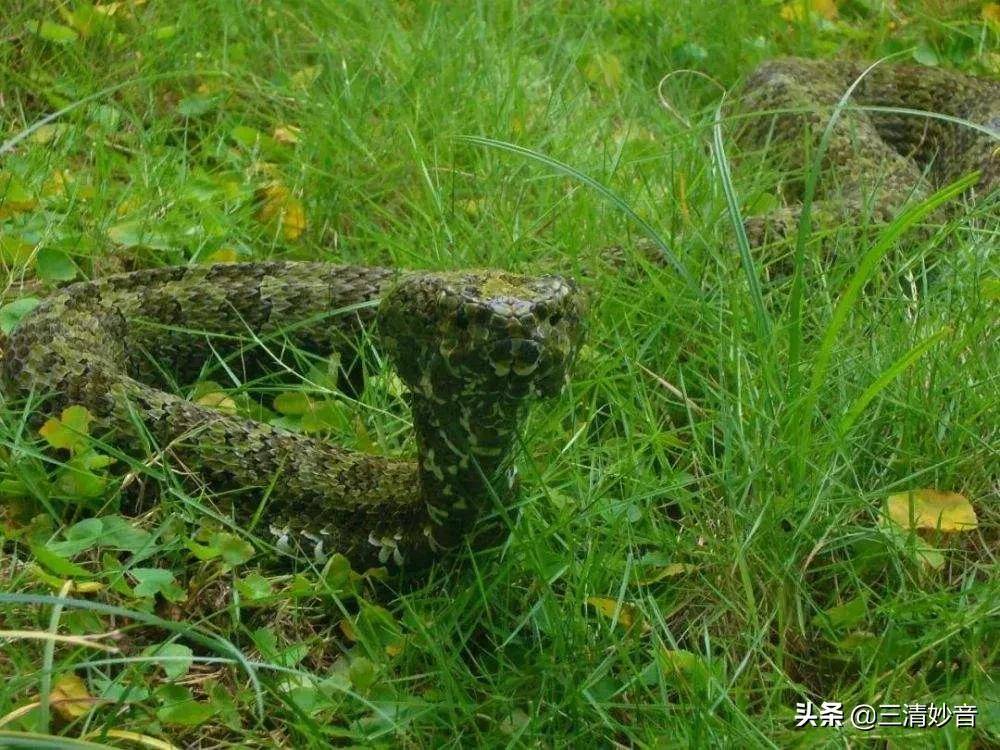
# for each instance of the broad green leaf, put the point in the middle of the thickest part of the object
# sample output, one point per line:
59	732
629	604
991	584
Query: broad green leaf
362	673
925	55
196	105
932	509
233	550
246	136
119	533
53	32
54	265
78	482
292	403
153	581
254	587
137	234
178	707
110	532
175	658
844	615
327	415
13	312
53	562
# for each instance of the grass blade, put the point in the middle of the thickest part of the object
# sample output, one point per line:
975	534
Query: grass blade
742	242
616	200
894	370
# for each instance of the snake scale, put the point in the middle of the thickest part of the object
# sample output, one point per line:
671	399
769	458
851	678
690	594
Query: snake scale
472	346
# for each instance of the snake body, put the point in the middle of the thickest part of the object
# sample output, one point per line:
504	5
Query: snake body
471	346
907	130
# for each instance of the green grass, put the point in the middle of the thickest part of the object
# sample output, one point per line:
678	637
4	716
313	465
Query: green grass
527	136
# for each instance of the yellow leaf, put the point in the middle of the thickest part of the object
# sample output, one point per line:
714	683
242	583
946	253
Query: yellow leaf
799	10
218	400
304	78
222	255
69	697
347	628
608	608
14	196
991	14
287	134
15	251
931	509
394	649
667	571
70	430
604	69
280	206
49	132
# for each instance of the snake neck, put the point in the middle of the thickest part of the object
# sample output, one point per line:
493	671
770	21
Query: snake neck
464	455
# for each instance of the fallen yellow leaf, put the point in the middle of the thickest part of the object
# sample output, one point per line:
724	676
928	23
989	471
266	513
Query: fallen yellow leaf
69	697
604	69
608	608
218	400
991	14
280	206
14	196
932	509
347	628
798	10
667	571
222	255
287	134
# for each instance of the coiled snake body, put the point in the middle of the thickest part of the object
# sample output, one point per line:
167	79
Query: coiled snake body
471	346
907	131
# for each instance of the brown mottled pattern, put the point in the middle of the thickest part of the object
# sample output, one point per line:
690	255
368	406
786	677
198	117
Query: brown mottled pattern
472	346
876	162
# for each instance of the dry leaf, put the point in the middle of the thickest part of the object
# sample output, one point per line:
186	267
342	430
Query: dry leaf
931	509
347	628
608	608
287	134
667	571
991	14
798	10
69	697
280	206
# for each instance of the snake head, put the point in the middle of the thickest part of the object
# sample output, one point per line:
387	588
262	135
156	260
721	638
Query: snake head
482	333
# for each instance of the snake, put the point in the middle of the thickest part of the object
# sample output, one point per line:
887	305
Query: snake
473	348
907	130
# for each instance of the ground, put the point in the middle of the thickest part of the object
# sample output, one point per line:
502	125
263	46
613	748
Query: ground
704	536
